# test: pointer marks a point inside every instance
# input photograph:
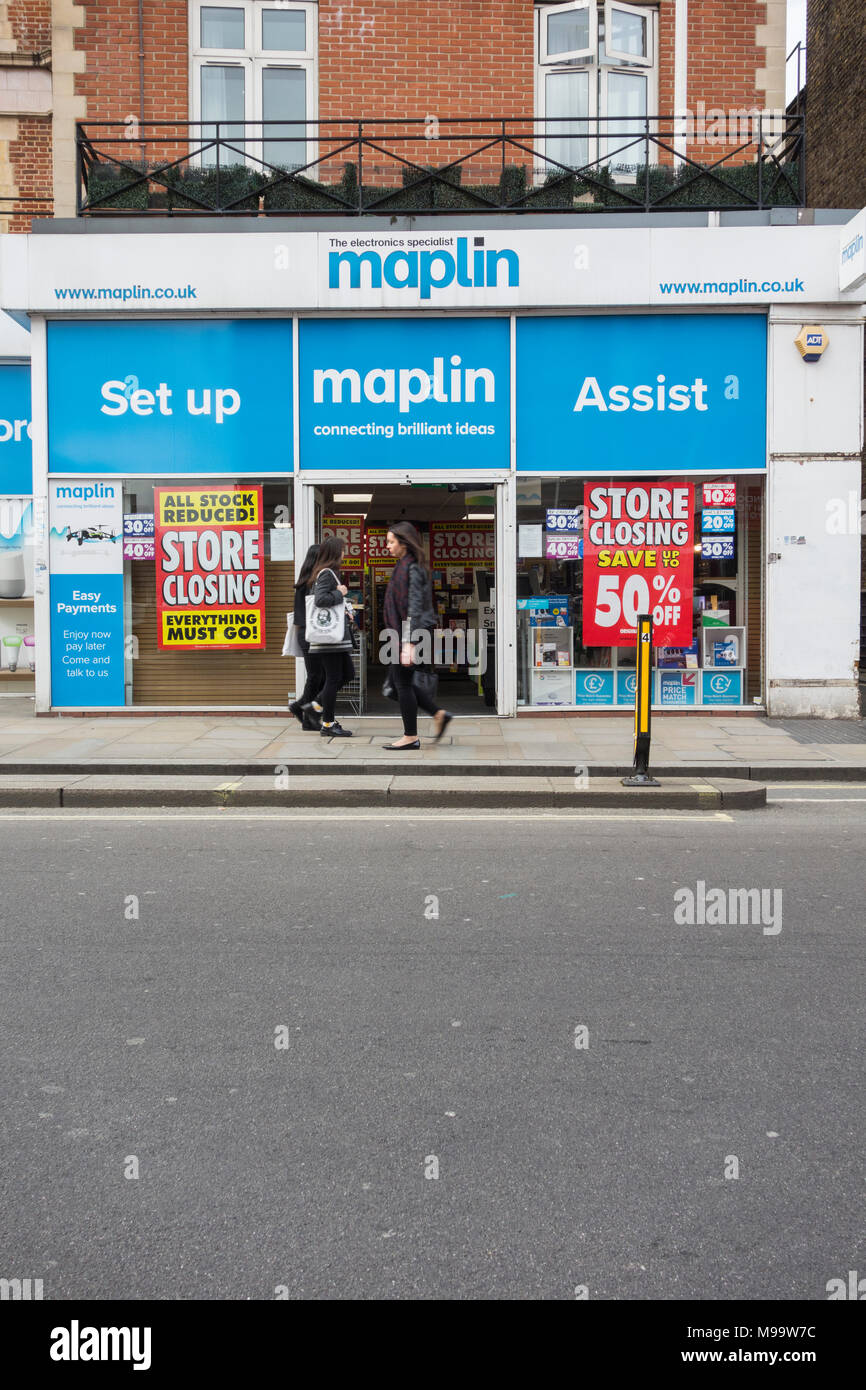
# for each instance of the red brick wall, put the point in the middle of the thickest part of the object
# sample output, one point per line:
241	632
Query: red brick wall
30	156
383	58
31	24
110	39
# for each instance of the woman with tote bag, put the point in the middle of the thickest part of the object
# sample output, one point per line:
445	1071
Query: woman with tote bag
328	631
409	611
306	708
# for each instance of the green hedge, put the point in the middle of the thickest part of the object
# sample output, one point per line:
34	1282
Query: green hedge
190	188
299	194
102	179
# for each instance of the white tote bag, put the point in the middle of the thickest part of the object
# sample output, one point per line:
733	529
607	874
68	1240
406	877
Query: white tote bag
291	645
325	626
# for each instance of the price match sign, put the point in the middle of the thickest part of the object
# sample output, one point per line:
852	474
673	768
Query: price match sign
638	558
209	568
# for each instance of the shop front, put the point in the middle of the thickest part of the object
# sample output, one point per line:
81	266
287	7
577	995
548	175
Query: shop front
572	454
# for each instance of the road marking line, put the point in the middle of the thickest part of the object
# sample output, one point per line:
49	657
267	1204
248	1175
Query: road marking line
71	813
821	800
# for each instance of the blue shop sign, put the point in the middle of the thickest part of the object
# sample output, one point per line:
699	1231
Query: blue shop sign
722	687
86	640
186	396
404	393
662	393
718	519
626	687
677	687
592	687
16	429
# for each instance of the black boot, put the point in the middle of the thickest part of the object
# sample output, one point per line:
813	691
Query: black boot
312	721
296	710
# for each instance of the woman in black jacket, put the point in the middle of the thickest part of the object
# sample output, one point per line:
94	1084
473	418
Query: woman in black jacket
336	657
409	612
307	709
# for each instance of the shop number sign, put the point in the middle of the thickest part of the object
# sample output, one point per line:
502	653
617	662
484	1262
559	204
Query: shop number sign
638	558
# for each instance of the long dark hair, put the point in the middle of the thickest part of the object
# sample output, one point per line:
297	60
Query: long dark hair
405	532
305	575
330	555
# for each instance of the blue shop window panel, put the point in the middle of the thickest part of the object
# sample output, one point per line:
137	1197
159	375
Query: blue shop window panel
626	687
16	449
678	687
722	687
667	393
86	645
593	687
404	393
188	396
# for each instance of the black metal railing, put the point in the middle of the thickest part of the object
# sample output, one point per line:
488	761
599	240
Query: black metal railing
347	168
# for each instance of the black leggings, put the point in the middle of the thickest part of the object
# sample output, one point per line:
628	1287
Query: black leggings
339	669
315	674
410	699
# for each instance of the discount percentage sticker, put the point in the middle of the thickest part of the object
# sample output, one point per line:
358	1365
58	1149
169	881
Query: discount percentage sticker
638	557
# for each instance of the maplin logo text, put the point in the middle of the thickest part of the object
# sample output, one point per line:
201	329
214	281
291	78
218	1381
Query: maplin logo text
424	270
85	494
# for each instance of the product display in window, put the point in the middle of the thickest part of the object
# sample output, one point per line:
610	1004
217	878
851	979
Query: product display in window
714	579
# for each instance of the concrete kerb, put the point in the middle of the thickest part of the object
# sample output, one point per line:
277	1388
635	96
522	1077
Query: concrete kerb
382	792
775	771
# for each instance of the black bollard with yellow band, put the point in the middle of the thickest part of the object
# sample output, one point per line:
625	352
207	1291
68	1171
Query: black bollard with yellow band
642	705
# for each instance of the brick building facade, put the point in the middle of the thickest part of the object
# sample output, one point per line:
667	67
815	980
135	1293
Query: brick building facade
112	60
836	169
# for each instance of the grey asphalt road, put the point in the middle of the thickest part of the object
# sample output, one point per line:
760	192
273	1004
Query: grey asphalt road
327	1090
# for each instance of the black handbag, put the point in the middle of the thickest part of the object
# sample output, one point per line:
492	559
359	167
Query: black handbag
425	682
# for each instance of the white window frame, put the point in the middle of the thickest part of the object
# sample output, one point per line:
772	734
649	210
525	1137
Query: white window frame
543	169
608	139
544	11
598	70
254	59
647	12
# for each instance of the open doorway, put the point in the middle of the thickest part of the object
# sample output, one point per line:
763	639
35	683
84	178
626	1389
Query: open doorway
457	524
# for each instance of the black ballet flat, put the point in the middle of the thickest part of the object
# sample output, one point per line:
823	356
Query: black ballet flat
445	722
402	747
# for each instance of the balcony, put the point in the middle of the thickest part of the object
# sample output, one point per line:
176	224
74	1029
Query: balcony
439	167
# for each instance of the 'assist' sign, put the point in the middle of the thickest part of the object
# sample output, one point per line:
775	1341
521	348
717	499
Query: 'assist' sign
209	567
638	558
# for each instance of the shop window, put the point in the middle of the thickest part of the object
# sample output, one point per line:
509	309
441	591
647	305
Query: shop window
241	677
255	62
595	61
722	664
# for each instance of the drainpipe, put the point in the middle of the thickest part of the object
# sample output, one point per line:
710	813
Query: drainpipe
681	61
141	62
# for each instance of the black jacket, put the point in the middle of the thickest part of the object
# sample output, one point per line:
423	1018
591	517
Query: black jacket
327	595
421	612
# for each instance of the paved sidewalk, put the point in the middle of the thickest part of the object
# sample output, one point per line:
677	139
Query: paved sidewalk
732	745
